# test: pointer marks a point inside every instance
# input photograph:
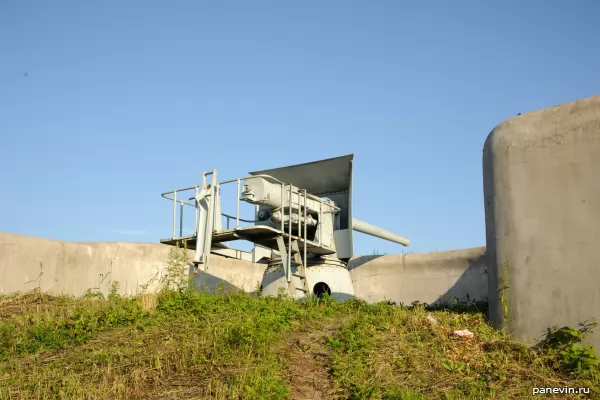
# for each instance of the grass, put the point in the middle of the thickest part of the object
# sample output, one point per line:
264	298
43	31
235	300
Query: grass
192	345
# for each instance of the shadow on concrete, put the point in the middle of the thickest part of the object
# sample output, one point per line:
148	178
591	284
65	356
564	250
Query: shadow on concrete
468	294
342	296
208	283
360	260
203	281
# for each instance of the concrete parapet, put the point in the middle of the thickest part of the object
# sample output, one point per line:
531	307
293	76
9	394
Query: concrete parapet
69	267
425	277
541	175
73	268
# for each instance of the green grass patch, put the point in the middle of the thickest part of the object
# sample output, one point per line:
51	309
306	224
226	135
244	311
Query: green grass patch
391	352
183	344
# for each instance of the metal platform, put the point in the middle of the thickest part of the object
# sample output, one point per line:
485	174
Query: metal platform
261	235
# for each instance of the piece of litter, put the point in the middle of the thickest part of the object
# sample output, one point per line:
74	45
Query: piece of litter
465	333
431	320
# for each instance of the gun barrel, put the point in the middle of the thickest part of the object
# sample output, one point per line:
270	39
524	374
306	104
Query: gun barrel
364	227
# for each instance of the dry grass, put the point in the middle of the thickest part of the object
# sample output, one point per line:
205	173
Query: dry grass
188	345
393	352
149	302
308	357
31	302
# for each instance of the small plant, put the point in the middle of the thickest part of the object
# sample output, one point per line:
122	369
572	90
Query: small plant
176	277
503	299
282	292
455	366
93	294
7	340
113	293
258	289
325	299
563	351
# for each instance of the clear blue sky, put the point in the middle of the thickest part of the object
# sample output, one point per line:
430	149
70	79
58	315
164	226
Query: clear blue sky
106	104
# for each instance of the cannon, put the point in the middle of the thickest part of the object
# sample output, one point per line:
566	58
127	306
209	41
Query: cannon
302	226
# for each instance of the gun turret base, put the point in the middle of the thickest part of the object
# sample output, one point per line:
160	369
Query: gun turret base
324	274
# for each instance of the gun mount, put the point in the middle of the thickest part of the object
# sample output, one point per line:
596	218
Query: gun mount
302	225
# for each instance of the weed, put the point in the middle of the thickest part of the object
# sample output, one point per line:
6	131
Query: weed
113	293
176	277
460	305
562	351
503	296
7	340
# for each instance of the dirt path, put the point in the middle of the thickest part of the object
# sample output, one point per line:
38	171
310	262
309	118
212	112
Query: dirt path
308	359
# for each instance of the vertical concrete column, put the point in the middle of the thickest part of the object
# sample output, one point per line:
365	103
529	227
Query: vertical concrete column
541	177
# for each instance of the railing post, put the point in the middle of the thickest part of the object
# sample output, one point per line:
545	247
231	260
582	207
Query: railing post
237	205
227	217
181	219
289	252
321	223
306	238
299	214
174	213
282	212
196	214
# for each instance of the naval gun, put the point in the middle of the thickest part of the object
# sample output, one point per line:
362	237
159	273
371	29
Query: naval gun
302	226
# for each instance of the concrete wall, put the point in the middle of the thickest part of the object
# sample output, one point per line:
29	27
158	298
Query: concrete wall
71	267
424	277
76	267
542	201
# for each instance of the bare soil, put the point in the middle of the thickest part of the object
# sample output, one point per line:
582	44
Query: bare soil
308	357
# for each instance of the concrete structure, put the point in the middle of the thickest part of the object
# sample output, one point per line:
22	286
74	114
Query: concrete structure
71	267
426	277
74	268
541	175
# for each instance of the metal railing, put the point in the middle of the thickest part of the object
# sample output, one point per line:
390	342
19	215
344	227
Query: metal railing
181	204
302	193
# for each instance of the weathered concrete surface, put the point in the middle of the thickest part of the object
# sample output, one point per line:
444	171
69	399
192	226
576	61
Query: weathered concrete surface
71	267
425	277
541	175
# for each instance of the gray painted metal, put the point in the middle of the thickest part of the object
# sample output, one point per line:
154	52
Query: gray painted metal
282	189
259	191
331	178
364	227
206	203
320	178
